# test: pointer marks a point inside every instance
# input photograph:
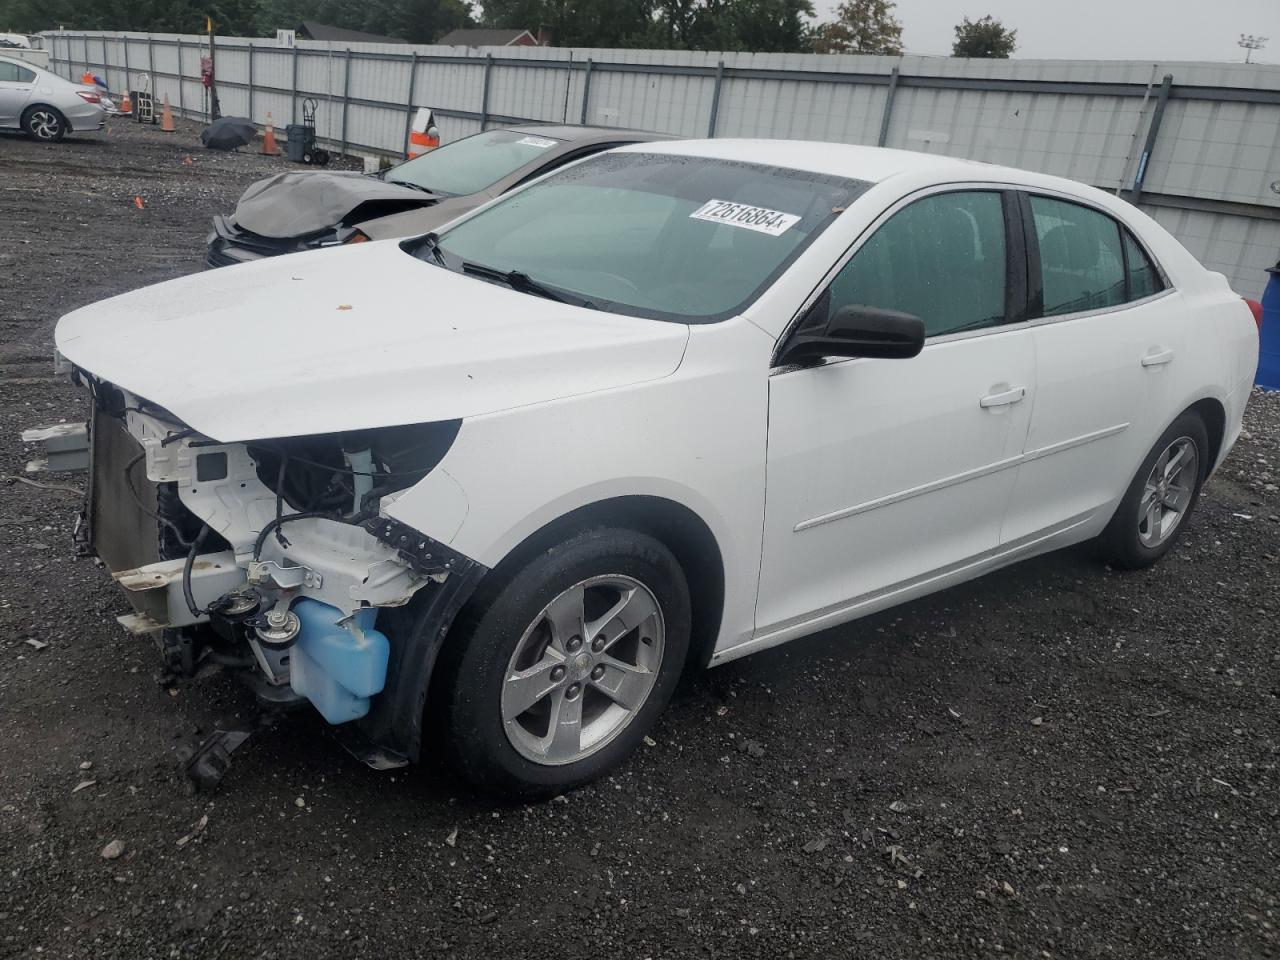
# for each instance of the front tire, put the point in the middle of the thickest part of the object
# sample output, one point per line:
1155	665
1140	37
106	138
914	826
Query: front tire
557	670
1161	496
44	123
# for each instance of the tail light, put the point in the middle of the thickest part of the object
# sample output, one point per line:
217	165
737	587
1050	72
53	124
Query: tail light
1256	307
89	96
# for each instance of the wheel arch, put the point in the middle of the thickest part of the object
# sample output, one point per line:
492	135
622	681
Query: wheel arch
422	630
677	526
1214	415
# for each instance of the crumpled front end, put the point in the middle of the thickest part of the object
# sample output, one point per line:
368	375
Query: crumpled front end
273	556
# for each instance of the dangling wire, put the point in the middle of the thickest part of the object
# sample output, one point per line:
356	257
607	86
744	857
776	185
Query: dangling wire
187	593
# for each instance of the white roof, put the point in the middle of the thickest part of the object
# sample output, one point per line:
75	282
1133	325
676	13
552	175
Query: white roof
834	159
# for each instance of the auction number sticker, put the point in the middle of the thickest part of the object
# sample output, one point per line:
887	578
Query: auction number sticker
760	219
540	142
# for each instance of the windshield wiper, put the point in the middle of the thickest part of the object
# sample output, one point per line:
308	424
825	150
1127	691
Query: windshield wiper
432	243
412	186
519	281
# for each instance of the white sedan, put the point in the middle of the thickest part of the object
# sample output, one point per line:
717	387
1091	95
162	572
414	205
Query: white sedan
496	489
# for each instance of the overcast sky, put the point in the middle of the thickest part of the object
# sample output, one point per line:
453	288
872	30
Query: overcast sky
1098	29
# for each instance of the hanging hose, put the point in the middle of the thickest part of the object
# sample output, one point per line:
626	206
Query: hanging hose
187	595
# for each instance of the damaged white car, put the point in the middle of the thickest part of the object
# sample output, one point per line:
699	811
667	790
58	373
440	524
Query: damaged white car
496	489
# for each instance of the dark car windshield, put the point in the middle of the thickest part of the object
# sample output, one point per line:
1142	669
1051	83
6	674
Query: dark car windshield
653	235
469	165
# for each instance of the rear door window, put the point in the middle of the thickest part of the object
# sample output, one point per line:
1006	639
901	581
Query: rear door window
1081	262
12	73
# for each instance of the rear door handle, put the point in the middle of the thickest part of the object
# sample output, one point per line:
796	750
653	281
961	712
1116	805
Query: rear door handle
1003	398
1157	358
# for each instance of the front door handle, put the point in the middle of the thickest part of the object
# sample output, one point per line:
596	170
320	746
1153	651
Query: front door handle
1002	399
1157	358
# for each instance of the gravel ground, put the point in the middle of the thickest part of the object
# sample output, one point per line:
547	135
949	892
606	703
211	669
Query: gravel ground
1058	760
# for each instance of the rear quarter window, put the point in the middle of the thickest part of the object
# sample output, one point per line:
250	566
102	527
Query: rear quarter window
1143	277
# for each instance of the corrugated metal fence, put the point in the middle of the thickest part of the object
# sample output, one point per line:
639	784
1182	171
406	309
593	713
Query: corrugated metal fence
1196	145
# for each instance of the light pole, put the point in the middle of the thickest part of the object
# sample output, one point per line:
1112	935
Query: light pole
1250	44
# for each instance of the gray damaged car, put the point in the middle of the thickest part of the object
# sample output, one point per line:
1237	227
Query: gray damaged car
306	210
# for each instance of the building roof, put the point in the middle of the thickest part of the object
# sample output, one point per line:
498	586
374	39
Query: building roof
311	30
483	38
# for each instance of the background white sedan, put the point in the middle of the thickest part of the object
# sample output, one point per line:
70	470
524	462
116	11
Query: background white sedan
683	401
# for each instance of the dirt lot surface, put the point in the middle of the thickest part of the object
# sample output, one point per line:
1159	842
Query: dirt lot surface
1056	761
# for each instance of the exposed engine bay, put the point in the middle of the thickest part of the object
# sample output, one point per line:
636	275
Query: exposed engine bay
272	557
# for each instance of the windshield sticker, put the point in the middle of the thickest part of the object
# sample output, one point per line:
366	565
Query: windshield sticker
760	219
540	142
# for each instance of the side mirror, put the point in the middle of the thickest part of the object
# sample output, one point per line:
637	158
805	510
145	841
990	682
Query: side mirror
858	331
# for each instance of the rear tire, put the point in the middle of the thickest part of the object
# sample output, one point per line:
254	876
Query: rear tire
1161	496
557	670
44	123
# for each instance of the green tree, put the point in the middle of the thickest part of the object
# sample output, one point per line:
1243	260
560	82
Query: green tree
576	23
759	25
418	21
861	26
985	38
762	26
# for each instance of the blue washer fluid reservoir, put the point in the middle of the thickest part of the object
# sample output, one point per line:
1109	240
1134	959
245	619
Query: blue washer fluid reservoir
1269	347
338	667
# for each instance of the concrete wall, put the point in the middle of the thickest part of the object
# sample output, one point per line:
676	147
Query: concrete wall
1211	174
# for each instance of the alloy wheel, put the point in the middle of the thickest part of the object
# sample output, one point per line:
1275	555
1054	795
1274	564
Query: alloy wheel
583	669
1168	492
45	125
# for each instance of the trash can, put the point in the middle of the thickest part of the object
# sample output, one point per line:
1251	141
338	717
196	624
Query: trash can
1269	346
297	134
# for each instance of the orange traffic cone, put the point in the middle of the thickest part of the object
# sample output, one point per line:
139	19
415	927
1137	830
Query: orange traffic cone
423	136
166	118
269	139
126	105
87	79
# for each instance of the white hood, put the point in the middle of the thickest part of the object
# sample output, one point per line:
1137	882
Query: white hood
352	338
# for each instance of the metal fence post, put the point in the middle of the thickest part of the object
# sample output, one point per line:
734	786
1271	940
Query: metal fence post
586	89
346	97
250	78
126	64
1144	161
408	100
568	82
151	63
293	97
888	108
484	98
182	110
715	100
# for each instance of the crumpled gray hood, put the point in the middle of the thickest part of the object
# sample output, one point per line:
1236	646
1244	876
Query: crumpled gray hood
302	202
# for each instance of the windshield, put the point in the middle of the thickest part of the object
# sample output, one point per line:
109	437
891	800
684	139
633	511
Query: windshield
469	165
675	238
